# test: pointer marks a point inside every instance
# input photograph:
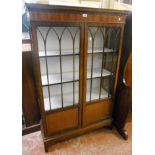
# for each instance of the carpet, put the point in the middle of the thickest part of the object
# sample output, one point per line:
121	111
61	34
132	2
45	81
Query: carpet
99	142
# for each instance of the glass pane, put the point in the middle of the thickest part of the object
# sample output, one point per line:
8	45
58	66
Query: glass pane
96	89
103	46
59	65
53	99
71	94
68	70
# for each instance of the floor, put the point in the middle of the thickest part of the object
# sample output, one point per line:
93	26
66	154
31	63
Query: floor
100	142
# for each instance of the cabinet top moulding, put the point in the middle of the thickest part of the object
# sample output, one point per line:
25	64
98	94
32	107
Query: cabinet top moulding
55	8
47	13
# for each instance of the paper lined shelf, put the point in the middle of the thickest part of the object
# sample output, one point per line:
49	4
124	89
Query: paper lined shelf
70	52
68	76
97	73
95	94
68	99
100	50
57	52
56	101
56	78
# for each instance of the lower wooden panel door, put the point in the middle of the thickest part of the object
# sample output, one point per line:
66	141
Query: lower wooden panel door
101	62
62	120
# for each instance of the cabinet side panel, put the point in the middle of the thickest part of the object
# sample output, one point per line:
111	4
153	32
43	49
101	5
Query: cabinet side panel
29	100
36	69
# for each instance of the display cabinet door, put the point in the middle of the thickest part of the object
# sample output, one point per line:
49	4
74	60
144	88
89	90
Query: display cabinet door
101	62
60	56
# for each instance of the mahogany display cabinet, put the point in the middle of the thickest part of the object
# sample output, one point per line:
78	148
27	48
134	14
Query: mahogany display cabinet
76	58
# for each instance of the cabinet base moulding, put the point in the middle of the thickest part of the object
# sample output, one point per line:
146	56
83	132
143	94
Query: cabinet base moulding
48	141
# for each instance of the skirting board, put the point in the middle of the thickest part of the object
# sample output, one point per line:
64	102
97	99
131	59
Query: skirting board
30	129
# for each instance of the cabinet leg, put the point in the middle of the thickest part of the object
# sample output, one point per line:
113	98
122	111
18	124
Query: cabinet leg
123	133
45	147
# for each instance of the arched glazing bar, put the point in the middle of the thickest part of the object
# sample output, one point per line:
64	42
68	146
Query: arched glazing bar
107	33
92	58
59	37
104	35
73	40
44	42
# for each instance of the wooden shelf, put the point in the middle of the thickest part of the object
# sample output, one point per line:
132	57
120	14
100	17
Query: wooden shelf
68	76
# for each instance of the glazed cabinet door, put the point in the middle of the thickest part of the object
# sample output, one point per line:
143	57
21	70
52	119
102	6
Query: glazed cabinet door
101	62
59	59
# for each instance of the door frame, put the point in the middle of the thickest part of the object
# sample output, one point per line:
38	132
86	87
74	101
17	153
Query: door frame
37	73
112	100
